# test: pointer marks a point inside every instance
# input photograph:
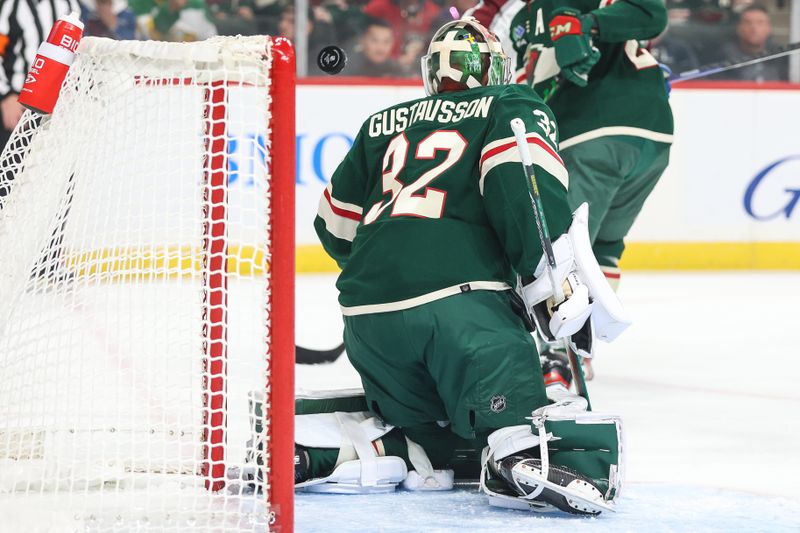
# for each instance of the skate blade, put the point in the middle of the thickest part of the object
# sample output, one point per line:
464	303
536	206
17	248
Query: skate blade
580	502
515	502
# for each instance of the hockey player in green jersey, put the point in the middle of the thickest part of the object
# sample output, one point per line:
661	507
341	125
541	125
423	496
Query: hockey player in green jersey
607	94
429	216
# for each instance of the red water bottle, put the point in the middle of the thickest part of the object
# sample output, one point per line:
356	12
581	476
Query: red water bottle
50	67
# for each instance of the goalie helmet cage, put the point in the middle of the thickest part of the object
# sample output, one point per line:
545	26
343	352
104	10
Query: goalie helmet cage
147	293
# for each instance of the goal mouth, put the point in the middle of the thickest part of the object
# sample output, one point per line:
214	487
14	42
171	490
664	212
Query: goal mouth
149	226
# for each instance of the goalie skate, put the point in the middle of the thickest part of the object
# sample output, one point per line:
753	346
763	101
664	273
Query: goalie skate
563	488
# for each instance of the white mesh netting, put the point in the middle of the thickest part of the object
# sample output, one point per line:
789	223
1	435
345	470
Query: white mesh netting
133	293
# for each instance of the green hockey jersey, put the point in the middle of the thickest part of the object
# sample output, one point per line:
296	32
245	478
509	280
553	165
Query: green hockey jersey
432	200
626	93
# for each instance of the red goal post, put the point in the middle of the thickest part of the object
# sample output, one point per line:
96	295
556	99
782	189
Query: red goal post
281	410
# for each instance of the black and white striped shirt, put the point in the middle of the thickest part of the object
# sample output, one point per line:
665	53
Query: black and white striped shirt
24	24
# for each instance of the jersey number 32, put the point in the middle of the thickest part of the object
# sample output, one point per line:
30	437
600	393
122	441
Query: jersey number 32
416	199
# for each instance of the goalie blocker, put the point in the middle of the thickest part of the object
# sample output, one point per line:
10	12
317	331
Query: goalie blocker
590	307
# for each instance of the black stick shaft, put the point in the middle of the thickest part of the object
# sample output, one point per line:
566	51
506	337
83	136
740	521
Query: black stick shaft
518	127
308	356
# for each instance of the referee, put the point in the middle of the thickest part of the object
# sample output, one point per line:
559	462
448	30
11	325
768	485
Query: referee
24	24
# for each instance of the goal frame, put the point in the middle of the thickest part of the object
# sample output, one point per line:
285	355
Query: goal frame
276	270
280	389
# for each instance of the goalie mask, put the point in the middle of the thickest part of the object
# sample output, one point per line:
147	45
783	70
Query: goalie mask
464	55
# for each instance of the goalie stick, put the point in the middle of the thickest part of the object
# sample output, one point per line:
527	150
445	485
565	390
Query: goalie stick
715	68
518	127
308	356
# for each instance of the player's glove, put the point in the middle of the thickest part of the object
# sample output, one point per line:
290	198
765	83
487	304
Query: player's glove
571	35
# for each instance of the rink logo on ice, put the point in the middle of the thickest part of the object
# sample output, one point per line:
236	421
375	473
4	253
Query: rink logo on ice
775	191
497	404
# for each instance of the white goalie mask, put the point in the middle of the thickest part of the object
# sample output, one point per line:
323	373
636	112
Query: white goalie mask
463	55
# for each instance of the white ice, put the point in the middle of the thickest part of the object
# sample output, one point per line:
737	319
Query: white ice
706	381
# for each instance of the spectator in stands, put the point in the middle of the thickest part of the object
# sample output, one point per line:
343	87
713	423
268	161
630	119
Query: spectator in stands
267	14
412	21
349	21
234	17
737	6
174	20
674	52
108	18
319	28
753	38
374	55
23	26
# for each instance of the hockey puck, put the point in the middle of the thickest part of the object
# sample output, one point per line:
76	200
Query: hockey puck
331	60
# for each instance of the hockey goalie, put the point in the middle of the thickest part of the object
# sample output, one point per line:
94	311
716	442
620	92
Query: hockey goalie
430	218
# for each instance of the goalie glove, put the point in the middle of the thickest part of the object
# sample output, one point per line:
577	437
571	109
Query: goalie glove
590	306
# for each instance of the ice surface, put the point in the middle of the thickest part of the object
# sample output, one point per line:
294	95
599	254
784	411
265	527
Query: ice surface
645	507
706	382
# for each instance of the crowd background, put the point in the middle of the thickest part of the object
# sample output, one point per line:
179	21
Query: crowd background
382	38
386	38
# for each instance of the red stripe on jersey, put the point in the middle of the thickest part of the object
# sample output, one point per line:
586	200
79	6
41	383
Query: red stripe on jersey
531	140
612	275
341	212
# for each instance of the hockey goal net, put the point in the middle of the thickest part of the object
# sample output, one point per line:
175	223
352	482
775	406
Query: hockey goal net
146	293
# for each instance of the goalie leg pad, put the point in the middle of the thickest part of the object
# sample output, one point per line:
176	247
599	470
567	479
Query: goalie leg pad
359	469
569	460
510	440
349	477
